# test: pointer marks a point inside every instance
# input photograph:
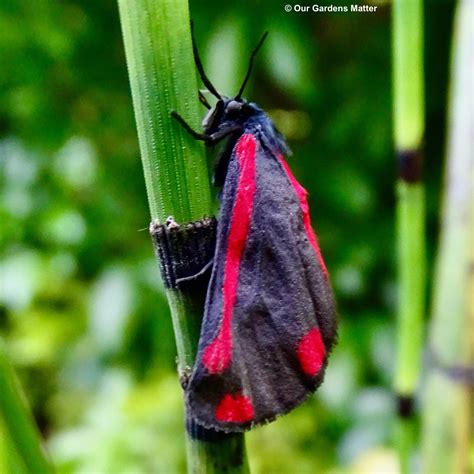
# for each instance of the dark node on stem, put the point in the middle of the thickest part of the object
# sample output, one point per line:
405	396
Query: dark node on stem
410	165
405	406
210	435
184	377
183	250
458	373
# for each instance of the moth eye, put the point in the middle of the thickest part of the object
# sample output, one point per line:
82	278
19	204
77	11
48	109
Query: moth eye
233	106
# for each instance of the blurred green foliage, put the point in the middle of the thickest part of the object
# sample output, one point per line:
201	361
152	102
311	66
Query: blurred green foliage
82	308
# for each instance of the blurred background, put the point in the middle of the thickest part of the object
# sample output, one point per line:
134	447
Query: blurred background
82	308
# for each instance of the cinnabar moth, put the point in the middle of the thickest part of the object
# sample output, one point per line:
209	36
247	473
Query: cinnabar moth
269	320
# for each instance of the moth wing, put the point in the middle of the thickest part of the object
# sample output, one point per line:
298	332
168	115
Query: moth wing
269	320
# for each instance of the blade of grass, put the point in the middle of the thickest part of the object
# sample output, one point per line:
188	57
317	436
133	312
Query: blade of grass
162	75
408	115
448	409
9	459
22	441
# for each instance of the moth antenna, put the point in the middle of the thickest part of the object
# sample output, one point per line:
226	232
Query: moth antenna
200	68
203	100
249	70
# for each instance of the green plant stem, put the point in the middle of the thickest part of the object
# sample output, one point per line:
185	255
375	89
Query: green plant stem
163	78
407	51
408	118
411	275
448	409
22	442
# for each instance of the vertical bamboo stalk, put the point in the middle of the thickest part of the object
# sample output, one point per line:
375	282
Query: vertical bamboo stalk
448	407
162	75
21	443
408	117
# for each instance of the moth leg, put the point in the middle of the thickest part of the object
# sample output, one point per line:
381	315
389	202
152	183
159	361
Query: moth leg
188	128
196	275
221	134
209	139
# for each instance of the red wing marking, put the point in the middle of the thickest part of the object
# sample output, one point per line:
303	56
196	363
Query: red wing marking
218	354
302	193
311	352
238	409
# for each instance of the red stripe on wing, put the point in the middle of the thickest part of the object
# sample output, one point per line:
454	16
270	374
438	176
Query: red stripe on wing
311	352
235	409
302	193
218	354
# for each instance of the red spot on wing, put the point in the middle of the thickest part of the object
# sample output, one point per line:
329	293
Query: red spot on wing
218	354
302	193
235	409
311	352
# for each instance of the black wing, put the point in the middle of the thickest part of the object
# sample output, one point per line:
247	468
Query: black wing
269	320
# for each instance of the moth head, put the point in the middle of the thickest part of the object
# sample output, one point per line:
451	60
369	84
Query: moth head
227	112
